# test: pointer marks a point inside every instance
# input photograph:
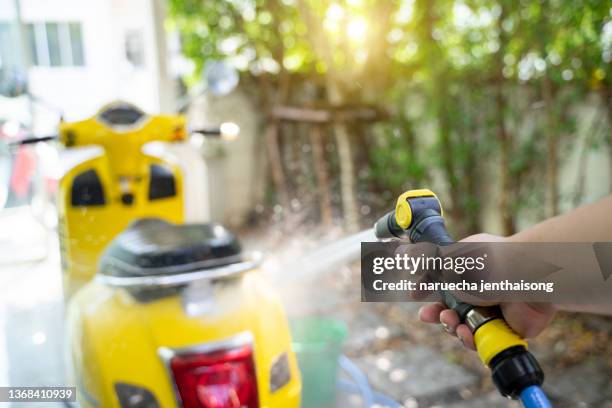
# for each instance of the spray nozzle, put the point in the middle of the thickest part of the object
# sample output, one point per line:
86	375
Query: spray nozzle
412	206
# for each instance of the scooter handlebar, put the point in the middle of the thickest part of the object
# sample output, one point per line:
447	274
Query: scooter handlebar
207	131
227	131
33	140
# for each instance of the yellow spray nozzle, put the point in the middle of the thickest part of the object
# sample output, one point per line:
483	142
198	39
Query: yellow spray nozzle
403	211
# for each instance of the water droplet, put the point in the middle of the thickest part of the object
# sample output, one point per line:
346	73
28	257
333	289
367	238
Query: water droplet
398	375
382	332
39	338
383	363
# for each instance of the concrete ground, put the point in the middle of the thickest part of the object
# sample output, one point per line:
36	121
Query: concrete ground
418	364
413	363
31	307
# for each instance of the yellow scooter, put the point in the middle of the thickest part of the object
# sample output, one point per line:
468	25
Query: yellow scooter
161	314
179	316
99	195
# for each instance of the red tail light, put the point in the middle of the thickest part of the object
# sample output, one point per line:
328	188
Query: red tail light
219	379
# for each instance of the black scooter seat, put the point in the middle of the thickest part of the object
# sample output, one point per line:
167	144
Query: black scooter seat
153	247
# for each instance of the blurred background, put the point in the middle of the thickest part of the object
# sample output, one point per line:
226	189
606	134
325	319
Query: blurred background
504	108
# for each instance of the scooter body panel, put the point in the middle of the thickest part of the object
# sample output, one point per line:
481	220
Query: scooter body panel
116	338
99	197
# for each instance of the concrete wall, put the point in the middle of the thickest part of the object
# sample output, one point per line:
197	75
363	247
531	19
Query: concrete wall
597	172
235	175
240	180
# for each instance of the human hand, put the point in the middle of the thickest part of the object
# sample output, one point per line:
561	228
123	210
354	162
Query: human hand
527	319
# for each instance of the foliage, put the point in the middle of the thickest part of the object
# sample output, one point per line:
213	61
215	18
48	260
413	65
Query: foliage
479	91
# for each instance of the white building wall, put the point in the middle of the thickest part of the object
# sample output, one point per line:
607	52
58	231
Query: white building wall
7	9
107	75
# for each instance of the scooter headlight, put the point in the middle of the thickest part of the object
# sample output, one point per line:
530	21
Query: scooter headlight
133	396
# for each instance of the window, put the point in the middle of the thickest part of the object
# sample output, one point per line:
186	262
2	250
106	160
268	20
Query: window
53	41
134	49
56	44
9	56
76	43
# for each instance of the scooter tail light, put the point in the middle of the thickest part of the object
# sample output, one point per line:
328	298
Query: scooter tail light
219	379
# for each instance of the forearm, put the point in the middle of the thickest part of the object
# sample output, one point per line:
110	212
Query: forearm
604	310
589	223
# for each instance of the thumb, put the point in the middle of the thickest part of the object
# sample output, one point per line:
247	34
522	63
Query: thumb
528	319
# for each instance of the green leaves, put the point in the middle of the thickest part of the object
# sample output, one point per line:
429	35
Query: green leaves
464	78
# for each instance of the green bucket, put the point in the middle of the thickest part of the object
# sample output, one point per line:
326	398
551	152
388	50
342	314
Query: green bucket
317	343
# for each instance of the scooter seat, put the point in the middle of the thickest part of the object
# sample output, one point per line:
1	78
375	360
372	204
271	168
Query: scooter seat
152	246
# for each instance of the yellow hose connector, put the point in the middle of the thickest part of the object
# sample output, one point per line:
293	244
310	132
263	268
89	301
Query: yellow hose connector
493	337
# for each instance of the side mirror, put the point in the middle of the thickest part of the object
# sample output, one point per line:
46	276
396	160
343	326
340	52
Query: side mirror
220	78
